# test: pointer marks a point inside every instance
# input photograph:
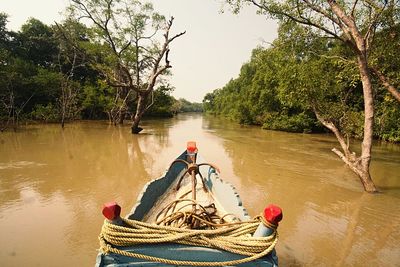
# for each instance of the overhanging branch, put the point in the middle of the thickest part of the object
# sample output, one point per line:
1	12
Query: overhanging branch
385	81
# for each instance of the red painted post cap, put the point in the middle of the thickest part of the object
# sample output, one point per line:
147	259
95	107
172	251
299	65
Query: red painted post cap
191	147
111	210
273	214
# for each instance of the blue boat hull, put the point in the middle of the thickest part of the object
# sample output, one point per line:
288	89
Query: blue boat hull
228	198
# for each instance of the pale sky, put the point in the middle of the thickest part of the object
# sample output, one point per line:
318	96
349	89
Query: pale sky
210	53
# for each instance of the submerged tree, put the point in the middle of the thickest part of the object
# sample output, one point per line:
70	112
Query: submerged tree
69	59
355	24
129	55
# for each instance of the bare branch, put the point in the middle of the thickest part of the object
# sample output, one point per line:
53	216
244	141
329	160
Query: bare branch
353	9
69	40
166	59
301	20
150	36
372	26
322	12
24	104
331	126
103	25
126	46
152	101
157	70
333	57
176	36
385	81
372	4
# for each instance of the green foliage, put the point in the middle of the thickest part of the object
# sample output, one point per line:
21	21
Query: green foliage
38	44
387	122
163	103
166	105
264	93
296	123
45	113
97	100
281	86
186	106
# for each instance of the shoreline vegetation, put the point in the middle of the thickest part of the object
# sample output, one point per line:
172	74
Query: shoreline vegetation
271	90
45	115
280	87
44	80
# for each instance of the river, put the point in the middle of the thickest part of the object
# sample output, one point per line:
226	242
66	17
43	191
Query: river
53	183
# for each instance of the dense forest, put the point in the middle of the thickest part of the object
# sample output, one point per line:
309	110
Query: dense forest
52	74
280	84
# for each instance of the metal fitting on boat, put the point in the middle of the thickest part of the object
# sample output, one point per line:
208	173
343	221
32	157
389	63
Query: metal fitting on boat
272	216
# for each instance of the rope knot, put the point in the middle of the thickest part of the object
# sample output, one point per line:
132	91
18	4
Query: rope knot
106	249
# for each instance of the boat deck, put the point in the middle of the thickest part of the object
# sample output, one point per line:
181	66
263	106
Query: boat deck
204	198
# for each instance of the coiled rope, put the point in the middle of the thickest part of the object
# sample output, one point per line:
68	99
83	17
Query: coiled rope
232	237
199	217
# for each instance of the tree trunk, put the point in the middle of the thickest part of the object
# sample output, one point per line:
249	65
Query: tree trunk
63	112
120	117
140	109
361	166
368	123
109	117
348	157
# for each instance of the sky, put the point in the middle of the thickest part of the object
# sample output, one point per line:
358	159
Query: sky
204	59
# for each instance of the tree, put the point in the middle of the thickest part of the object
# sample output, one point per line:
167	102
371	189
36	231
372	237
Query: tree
69	89
4	54
163	102
72	67
355	24
15	75
259	96
186	106
38	43
126	31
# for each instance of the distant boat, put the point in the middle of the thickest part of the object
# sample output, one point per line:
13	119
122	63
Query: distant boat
188	217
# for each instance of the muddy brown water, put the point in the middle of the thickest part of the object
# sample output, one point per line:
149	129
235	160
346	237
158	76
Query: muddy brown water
53	184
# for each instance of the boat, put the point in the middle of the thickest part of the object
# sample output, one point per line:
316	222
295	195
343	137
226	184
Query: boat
188	217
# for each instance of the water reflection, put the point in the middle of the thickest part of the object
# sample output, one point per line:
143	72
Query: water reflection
53	184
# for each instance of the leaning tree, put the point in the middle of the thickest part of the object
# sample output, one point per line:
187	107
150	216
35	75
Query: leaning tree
128	50
355	24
